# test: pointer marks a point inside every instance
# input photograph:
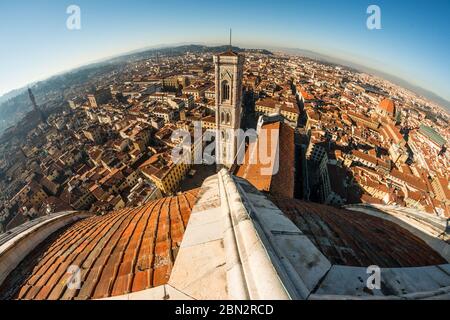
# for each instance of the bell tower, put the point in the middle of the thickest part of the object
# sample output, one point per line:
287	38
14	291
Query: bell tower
229	68
35	106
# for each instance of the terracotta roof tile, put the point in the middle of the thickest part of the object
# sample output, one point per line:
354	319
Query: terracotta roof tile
280	184
120	252
387	105
161	275
229	53
357	239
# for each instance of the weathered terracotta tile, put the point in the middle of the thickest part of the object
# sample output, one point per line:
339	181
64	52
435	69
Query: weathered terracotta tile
160	276
23	291
125	268
103	288
141	280
57	292
121	285
143	237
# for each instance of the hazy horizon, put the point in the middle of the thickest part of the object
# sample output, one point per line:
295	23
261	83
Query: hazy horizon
402	48
320	56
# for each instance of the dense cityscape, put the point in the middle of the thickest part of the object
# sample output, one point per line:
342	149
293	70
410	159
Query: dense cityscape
358	138
236	159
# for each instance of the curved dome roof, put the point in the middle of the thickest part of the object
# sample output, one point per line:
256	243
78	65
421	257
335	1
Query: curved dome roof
388	106
121	252
230	241
352	238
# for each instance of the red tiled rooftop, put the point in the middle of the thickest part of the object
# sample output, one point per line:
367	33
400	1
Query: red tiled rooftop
307	95
284	105
229	53
255	170
356	239
387	105
121	252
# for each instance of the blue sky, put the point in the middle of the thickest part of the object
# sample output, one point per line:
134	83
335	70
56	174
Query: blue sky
413	43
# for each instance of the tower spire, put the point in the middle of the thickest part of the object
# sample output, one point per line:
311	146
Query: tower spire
35	106
33	100
229	68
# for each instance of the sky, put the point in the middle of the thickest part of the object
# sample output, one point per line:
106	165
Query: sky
413	43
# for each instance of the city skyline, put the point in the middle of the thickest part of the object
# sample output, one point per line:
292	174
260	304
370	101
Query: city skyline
340	167
226	151
402	47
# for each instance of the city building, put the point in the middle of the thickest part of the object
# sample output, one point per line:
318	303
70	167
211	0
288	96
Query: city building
270	106
165	174
387	107
228	81
353	179
269	162
99	97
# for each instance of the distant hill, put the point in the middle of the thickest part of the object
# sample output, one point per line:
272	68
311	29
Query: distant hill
193	48
15	104
14	109
12	94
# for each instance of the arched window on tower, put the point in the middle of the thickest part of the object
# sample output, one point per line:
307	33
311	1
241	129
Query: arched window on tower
227	118
225	90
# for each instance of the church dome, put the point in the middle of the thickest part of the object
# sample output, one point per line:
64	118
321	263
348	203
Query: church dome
227	240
